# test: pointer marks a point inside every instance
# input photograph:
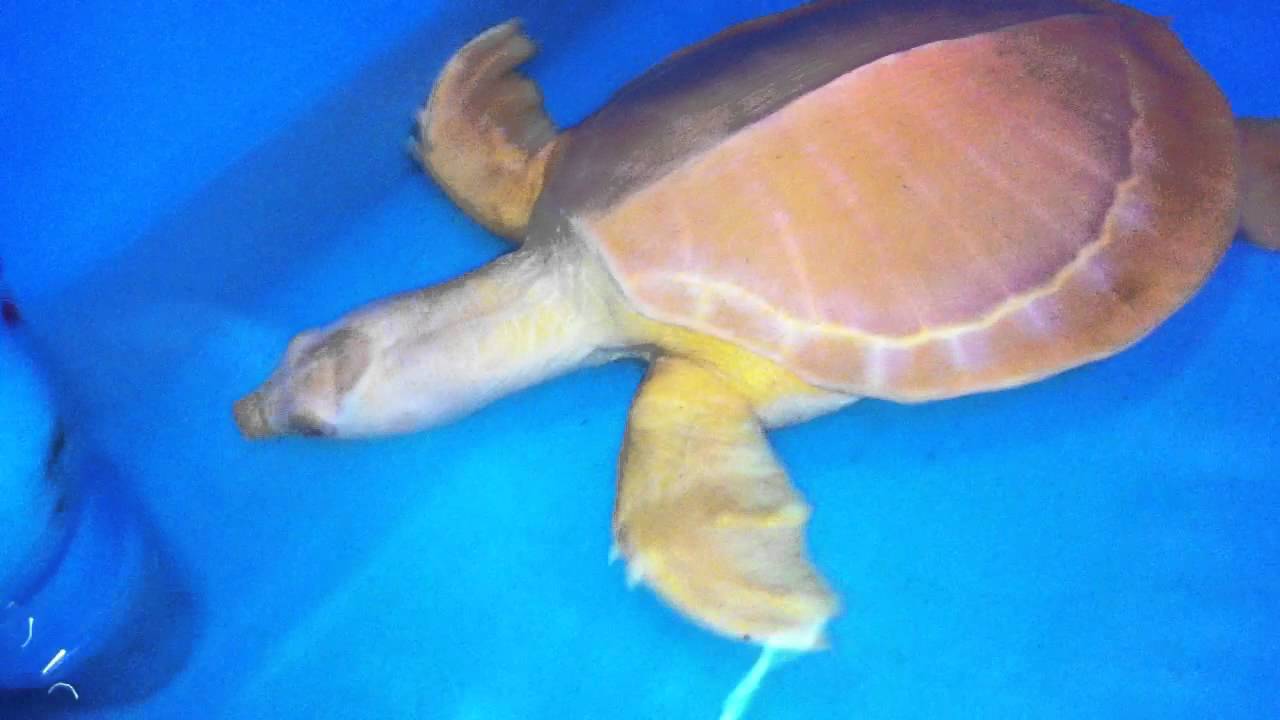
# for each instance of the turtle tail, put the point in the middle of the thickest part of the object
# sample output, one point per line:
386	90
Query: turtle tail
1260	190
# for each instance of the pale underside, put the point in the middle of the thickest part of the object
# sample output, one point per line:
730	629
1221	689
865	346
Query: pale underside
970	214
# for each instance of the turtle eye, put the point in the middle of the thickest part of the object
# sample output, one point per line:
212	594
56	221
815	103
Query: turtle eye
311	426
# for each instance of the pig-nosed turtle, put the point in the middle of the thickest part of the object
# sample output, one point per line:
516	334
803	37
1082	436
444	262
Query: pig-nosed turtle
910	200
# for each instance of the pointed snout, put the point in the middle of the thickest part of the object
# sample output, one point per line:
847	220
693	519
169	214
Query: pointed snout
251	417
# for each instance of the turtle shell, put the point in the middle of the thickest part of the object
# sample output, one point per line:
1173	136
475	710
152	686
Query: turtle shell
913	200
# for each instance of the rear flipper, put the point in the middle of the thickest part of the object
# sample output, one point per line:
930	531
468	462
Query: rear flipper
1260	181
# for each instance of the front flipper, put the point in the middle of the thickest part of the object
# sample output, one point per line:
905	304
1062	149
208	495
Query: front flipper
707	517
484	135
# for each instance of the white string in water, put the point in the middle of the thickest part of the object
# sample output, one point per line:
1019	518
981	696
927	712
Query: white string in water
68	686
740	699
55	662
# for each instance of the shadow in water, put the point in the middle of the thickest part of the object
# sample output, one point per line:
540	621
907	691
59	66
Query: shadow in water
147	646
154	643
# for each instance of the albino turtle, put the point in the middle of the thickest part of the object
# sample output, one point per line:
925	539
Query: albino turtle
901	199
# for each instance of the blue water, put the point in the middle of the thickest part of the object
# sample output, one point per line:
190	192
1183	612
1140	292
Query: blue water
182	188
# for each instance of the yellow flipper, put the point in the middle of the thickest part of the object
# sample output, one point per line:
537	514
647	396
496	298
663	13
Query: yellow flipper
707	518
484	134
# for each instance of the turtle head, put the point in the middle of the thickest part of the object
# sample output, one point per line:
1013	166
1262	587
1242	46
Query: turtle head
424	358
309	393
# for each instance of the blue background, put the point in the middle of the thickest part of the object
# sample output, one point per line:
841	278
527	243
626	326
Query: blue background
182	187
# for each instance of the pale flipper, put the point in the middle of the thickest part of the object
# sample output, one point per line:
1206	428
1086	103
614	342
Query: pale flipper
707	517
1260	192
484	134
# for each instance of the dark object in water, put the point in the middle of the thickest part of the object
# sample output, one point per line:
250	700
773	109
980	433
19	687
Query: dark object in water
9	311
